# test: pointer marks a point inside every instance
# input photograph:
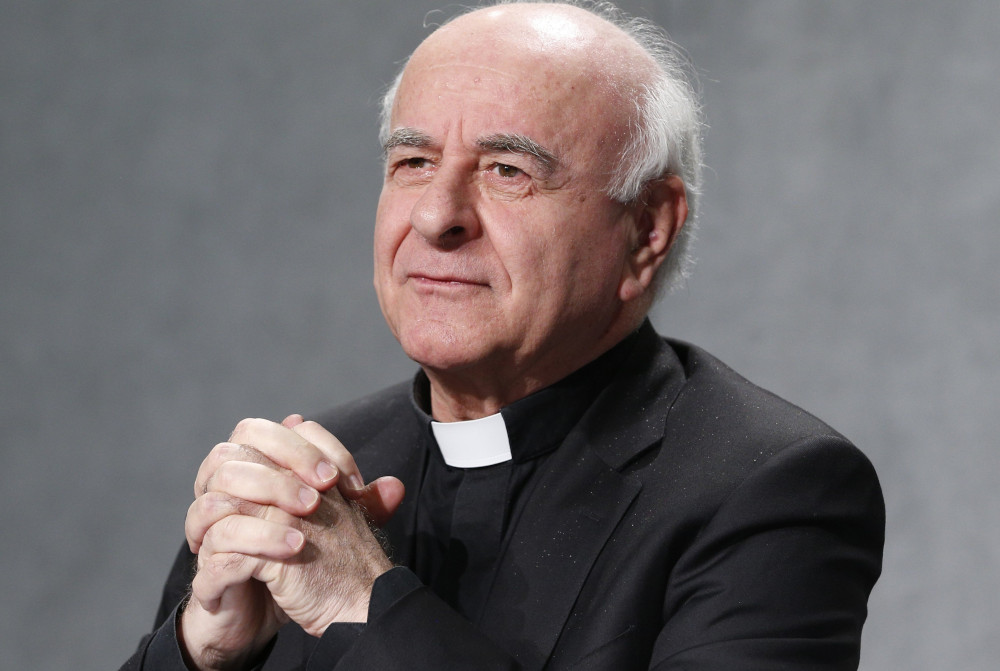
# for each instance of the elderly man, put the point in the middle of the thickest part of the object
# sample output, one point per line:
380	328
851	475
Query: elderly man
579	493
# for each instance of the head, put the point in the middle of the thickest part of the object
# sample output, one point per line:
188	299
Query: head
665	138
541	163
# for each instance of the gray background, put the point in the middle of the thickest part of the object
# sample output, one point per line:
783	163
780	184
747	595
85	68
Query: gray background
186	201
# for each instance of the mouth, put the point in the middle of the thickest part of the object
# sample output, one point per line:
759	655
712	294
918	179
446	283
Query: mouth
444	281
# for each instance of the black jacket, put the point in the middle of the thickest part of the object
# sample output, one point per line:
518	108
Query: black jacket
691	520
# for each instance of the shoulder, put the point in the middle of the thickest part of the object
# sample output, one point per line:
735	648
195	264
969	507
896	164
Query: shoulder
723	431
717	404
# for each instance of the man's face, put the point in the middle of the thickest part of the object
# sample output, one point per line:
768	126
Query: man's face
497	251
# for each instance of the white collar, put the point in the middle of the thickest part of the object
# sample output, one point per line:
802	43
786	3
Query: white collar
474	443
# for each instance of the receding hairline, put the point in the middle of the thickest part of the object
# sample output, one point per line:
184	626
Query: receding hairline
597	61
599	55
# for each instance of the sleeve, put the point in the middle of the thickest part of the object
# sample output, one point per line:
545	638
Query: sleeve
780	575
340	636
159	650
410	628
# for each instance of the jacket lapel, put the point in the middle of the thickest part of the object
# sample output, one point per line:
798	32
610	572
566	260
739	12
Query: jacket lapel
577	504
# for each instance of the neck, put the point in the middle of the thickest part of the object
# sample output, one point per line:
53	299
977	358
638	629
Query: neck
483	389
458	398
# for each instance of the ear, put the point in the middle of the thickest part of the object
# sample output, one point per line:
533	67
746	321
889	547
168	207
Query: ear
658	217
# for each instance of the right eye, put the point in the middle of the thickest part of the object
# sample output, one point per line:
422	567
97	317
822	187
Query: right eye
410	170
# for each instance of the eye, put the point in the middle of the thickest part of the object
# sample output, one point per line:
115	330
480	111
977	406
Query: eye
413	163
507	171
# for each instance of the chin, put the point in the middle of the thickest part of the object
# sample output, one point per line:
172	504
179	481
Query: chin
442	347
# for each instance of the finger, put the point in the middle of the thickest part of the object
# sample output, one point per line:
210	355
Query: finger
218	572
292	420
234	549
211	507
381	498
265	485
205	511
288	449
223	453
253	536
351	483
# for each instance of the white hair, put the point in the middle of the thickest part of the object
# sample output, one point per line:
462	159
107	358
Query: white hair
665	139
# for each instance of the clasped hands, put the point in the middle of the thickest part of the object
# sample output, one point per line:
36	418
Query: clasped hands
280	524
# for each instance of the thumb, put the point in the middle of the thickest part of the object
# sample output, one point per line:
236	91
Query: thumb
381	498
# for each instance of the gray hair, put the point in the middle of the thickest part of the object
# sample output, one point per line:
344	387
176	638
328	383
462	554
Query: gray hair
665	138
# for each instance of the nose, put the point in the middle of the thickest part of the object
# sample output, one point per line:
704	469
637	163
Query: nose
445	215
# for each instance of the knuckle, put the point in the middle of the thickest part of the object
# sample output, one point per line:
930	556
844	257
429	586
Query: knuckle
195	515
219	503
244	427
221	479
248	508
250	453
276	514
231	561
228	527
220	563
219	454
224	451
243	424
209	539
221	533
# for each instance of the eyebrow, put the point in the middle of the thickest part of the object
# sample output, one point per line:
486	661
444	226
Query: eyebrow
514	143
406	137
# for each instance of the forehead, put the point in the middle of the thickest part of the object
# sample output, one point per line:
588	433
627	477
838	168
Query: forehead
506	89
551	76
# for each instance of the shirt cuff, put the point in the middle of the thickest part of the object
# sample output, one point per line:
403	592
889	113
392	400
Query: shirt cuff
388	589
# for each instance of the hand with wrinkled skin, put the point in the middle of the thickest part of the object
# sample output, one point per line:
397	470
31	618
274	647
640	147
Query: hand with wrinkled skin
330	579
271	530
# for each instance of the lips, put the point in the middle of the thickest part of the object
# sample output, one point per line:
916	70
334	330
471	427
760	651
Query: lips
444	279
445	274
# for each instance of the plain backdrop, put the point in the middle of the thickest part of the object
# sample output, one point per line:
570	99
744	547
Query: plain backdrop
187	192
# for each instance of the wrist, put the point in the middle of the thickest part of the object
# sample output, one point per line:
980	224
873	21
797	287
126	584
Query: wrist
354	611
201	651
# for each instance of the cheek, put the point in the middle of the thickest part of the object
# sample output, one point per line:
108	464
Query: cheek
391	226
583	246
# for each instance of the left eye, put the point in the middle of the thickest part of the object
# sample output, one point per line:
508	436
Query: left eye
507	171
414	163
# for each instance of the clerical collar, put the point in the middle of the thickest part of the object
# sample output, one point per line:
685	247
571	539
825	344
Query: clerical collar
473	443
529	427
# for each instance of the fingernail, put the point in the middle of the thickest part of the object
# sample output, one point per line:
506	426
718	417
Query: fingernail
295	539
326	471
355	482
308	496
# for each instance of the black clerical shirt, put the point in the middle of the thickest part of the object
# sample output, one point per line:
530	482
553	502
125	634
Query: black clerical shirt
463	514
